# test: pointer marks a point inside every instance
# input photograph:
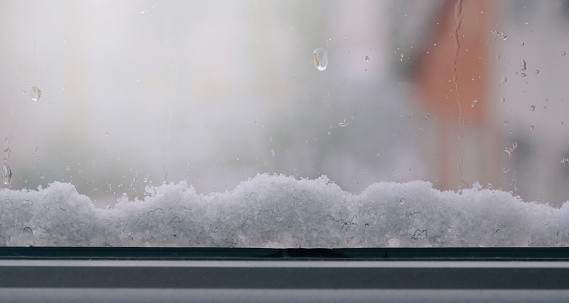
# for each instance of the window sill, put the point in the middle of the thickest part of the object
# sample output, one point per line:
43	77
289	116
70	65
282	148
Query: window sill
355	275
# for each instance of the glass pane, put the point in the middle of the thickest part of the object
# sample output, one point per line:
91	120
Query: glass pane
284	124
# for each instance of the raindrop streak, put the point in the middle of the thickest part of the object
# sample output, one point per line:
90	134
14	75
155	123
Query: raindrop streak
174	80
458	20
320	58
6	174
35	93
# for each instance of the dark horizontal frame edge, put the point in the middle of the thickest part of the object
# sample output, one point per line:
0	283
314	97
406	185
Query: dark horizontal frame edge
346	254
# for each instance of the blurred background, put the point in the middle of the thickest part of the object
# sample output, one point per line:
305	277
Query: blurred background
114	96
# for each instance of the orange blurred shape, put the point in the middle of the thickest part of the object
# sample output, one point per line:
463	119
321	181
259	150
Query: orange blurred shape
453	84
435	68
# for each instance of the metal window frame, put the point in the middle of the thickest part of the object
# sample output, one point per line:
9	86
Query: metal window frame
60	274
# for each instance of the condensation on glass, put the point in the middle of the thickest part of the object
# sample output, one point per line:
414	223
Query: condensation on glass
118	97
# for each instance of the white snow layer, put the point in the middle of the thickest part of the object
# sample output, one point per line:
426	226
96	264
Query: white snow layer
279	211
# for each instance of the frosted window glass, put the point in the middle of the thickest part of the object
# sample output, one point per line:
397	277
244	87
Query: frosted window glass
284	124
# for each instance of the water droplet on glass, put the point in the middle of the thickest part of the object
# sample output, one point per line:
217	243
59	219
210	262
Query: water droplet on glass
367	58
499	34
537	71
401	57
474	102
68	168
28	230
419	234
503	80
503	100
35	93
402	201
509	150
343	123
273	152
524	64
320	58
505	170
563	53
531	128
6	174
532	108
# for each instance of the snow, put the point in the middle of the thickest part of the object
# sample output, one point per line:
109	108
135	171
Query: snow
280	211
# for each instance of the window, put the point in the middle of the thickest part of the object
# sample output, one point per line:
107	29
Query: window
284	124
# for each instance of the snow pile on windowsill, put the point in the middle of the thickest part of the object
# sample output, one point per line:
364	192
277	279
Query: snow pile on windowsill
279	211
